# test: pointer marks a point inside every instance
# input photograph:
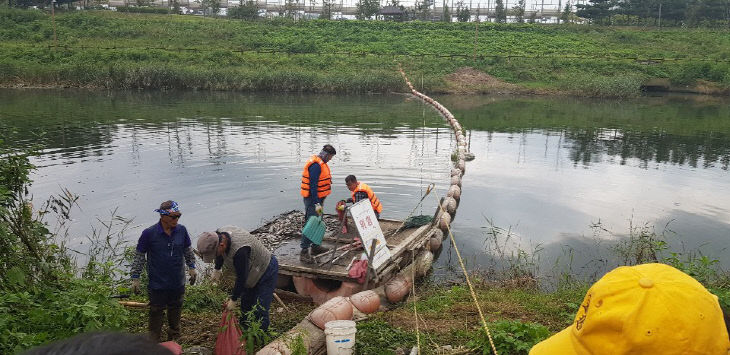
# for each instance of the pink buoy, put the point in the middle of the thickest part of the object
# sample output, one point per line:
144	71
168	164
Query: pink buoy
437	233
455	192
461	164
455	172
449	205
444	221
335	309
397	288
423	263
366	301
455	180
435	243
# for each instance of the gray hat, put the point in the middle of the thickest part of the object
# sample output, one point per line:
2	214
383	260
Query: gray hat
207	243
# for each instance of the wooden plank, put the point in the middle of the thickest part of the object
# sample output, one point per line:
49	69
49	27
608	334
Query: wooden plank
413	238
290	269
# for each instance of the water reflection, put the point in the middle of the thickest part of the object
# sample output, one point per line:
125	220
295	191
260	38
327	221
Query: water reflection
550	177
680	130
227	158
546	167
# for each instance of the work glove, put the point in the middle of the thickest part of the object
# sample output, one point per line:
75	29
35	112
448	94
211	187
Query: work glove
135	286
193	275
230	304
215	277
341	205
318	209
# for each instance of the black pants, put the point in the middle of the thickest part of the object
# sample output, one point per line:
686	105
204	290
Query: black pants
160	300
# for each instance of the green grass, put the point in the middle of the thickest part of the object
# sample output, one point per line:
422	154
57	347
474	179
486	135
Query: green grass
517	318
124	50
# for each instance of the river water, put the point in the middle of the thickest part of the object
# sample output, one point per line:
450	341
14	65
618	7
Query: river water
562	179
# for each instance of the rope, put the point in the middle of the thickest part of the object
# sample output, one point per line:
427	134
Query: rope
468	281
451	235
415	311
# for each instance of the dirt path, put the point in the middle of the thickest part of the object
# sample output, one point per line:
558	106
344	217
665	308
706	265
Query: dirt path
468	80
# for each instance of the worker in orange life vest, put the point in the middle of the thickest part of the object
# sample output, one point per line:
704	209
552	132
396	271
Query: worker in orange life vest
361	191
316	186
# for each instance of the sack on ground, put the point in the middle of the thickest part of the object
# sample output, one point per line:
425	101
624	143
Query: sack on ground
229	336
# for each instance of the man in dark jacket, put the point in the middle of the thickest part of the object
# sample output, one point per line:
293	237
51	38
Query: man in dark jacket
166	248
255	267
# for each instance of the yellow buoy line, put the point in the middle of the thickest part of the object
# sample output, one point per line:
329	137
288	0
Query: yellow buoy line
447	205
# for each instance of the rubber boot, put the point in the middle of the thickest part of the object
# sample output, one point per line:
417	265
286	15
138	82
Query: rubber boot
318	249
173	321
305	256
156	315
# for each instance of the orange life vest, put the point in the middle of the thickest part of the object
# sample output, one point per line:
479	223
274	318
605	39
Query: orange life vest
324	185
377	207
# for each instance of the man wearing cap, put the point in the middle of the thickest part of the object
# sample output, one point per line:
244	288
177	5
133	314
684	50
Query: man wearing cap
255	267
166	248
643	309
316	186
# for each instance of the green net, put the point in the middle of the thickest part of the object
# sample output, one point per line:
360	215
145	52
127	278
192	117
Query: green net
417	221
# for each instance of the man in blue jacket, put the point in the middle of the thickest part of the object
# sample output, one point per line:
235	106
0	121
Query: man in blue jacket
166	248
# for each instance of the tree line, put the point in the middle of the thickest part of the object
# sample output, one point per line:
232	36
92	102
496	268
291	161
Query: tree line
667	13
693	13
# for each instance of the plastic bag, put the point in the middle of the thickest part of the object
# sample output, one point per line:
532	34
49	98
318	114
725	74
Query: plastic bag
359	270
229	336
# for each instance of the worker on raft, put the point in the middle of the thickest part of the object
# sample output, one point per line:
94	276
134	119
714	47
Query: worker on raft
256	269
316	186
361	191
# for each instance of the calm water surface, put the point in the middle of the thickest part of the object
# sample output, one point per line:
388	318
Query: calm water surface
546	169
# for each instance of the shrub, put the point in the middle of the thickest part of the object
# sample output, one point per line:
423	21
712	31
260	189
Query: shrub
510	337
41	299
39	315
377	336
247	11
143	10
620	85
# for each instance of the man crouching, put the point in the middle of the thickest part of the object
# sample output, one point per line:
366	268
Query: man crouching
255	267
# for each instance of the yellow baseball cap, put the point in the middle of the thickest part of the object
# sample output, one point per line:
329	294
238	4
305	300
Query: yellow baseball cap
643	309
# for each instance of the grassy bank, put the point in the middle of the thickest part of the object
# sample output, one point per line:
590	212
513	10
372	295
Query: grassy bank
120	50
46	295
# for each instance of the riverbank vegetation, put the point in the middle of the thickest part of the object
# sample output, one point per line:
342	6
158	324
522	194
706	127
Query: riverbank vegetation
104	49
522	304
50	292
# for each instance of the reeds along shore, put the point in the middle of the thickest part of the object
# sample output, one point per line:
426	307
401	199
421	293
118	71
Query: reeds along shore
104	49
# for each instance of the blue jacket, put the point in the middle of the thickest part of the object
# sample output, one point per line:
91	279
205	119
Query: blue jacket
165	256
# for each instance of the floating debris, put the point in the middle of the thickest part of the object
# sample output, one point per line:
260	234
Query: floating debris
288	226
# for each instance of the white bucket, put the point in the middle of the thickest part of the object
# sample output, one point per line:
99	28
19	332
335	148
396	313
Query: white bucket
340	337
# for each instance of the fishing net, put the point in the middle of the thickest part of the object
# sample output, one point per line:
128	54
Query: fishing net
417	221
